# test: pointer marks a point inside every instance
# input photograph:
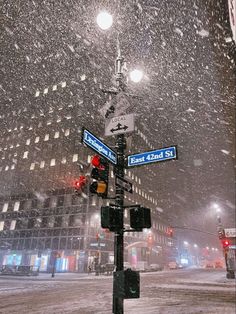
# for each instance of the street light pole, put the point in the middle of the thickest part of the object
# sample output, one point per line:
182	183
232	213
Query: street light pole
118	303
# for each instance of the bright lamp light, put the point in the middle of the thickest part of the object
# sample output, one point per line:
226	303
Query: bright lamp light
104	20
136	76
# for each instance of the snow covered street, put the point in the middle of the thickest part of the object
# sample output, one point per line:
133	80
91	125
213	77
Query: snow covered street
187	291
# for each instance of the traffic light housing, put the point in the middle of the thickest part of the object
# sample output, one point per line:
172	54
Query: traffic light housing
170	232
111	218
140	218
100	176
126	284
225	243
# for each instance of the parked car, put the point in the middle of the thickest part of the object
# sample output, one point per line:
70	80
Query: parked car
155	267
209	265
173	265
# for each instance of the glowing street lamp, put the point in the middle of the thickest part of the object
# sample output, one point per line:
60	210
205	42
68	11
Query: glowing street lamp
136	76
104	20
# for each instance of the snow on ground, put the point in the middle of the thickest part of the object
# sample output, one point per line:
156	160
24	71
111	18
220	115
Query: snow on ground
167	292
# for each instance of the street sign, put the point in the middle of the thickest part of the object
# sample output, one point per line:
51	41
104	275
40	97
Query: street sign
119	125
152	156
124	184
98	146
116	106
230	232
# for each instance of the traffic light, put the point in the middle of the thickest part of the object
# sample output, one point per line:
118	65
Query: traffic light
140	217
100	176
170	232
225	243
111	218
79	184
150	240
126	284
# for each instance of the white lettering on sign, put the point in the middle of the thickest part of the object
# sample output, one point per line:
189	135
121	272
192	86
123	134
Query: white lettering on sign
230	233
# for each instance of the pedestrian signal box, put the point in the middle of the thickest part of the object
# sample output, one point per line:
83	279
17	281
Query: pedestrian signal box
140	218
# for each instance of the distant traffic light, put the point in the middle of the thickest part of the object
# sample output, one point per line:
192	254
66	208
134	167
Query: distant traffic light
140	218
100	176
170	232
225	243
150	240
79	184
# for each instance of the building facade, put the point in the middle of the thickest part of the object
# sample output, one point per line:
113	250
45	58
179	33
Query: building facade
41	215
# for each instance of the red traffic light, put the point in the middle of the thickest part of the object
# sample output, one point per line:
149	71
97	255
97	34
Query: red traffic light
80	182
96	161
225	243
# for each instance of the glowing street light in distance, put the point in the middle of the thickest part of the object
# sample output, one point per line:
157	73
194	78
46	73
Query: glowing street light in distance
104	20
136	76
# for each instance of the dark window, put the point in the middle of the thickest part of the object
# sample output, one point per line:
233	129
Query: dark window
55	243
62	244
46	203
60	200
58	221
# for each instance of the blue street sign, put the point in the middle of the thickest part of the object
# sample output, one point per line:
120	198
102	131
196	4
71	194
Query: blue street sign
152	156
98	146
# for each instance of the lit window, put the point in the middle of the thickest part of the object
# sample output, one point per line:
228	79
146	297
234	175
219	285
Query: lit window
67	132
32	166
37	93
46	138
16	206
45	91
25	155
75	158
58	120
42	164
112	174
68	117
139	180
53	162
63	84
89	159
12	167
63	161
13	225
49	122
36	139
31	128
129	174
28	141
6	168
54	87
40	125
5	207
1	225
56	135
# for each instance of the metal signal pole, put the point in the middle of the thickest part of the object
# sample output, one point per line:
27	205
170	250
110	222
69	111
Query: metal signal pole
118	303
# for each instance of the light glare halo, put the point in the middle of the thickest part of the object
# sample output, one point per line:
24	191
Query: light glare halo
136	76
104	20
